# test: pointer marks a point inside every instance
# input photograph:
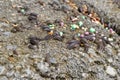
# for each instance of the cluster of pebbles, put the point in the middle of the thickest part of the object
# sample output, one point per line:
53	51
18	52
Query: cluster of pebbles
24	55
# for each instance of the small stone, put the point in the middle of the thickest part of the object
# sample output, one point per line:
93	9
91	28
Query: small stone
85	75
74	19
43	68
119	54
18	67
110	60
28	72
82	35
10	73
52	26
110	39
7	33
52	61
111	31
61	23
61	33
85	29
109	50
83	17
86	33
3	78
74	26
0	47
11	47
92	30
17	74
78	34
67	1
106	28
2	70
1	30
111	71
23	11
80	23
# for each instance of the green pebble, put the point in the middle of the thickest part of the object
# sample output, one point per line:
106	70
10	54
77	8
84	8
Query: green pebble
51	25
22	10
78	34
83	17
80	23
92	30
73	26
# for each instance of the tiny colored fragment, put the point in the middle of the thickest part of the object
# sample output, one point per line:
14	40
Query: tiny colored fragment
74	26
92	30
52	26
61	33
78	34
23	11
80	23
83	17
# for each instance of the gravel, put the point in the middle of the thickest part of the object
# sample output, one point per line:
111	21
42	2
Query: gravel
52	61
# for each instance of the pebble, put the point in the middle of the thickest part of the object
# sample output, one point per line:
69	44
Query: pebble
7	33
11	47
78	34
10	73
5	25
83	17
111	31
111	71
74	26
52	61
28	71
52	26
61	33
118	54
43	68
17	74
80	23
82	35
3	78
92	30
85	29
61	23
86	33
109	50
22	11
1	29
2	70
85	75
110	60
92	53
110	39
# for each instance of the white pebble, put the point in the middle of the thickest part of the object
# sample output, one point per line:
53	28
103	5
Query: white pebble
110	39
111	71
110	60
85	75
2	70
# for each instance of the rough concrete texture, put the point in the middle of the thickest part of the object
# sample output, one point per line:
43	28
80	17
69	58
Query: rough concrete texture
52	61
